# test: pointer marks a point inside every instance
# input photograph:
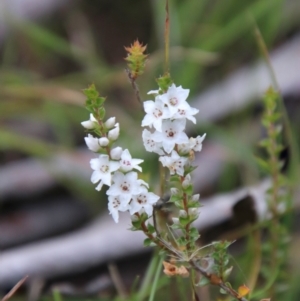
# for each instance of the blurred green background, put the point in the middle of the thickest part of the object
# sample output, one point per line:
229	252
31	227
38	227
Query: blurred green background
48	57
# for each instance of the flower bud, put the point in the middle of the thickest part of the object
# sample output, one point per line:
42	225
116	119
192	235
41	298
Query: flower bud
175	220
114	133
91	123
174	191
103	141
193	212
92	143
134	218
116	153
182	213
110	122
195	197
187	181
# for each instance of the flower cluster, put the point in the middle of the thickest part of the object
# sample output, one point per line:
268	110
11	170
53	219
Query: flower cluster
167	115
166	118
115	168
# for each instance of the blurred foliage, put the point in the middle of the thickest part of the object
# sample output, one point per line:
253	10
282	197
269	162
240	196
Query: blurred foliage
45	65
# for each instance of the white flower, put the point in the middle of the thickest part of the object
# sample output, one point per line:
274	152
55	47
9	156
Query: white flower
175	163
150	144
116	153
115	205
175	98
172	133
197	143
156	112
185	111
103	141
110	123
91	123
102	170
143	200
127	163
92	143
125	186
114	133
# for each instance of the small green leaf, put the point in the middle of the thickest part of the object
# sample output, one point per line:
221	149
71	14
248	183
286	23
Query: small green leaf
99	101
151	228
101	113
91	92
147	242
164	82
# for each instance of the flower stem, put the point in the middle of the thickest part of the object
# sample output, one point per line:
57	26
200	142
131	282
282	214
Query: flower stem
167	38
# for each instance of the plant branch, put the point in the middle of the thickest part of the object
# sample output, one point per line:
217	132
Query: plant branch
215	280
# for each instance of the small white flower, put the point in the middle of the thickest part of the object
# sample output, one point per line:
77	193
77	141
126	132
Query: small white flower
127	163
150	144
115	205
125	186
92	143
175	98
187	112
144	200
175	163
102	170
114	133
197	142
91	123
103	141
156	112
110	123
172	133
116	153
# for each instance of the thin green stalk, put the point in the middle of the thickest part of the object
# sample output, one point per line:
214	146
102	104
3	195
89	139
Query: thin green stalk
256	261
167	38
155	280
295	174
154	265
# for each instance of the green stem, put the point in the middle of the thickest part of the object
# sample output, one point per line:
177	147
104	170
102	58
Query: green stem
167	38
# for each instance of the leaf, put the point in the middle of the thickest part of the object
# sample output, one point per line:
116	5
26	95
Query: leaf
147	242
101	113
151	228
